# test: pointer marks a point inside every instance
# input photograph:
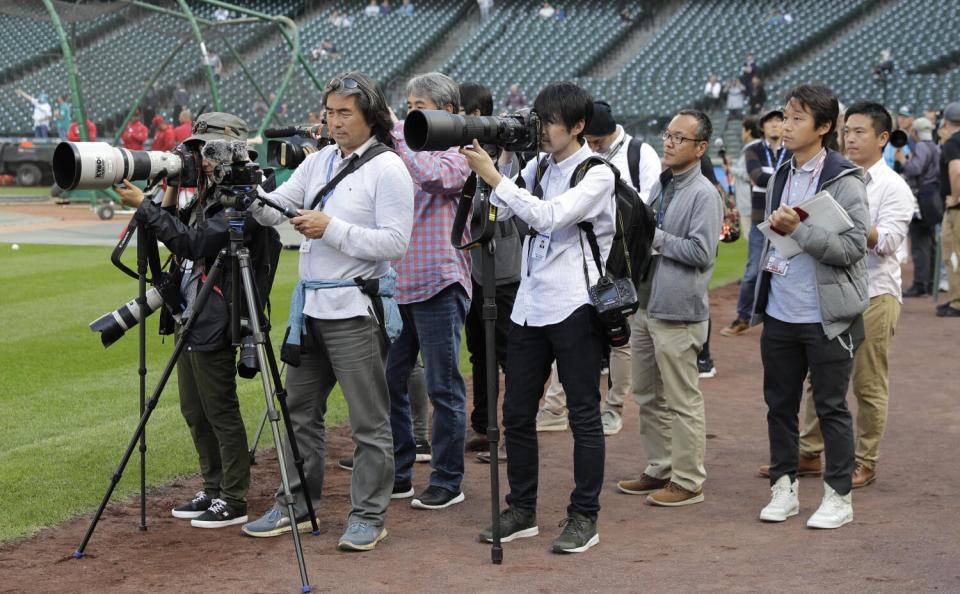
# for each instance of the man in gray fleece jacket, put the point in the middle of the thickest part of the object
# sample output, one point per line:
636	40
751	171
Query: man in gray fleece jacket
811	306
670	328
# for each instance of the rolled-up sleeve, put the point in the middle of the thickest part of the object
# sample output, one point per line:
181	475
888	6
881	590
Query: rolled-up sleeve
892	218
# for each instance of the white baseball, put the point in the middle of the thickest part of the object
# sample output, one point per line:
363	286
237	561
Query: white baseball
15	246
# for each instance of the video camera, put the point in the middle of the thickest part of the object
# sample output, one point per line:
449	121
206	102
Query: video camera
235	176
437	130
289	153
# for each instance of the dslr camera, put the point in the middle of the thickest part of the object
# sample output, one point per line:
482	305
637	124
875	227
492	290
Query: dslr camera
614	299
100	165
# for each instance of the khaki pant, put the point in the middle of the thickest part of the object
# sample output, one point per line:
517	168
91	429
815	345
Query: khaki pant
555	399
666	387
871	385
950	237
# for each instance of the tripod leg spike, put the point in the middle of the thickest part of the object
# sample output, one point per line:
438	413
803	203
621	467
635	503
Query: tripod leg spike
77	554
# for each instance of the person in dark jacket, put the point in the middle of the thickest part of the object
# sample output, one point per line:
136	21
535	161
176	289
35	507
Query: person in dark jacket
206	369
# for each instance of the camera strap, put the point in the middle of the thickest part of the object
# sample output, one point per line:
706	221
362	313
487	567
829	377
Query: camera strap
373	151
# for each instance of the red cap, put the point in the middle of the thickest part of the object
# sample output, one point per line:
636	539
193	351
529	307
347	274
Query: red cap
158	119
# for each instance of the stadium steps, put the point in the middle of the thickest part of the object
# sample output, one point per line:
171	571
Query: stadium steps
32	64
629	45
433	58
828	41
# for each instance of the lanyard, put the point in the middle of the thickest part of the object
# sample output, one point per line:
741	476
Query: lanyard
814	175
783	152
662	206
333	157
613	152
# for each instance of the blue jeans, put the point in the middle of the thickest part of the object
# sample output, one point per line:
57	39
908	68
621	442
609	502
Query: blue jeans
41	131
431	328
748	283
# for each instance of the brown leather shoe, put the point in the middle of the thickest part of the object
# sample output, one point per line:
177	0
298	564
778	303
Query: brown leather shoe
644	485
736	328
863	476
809	466
673	495
475	442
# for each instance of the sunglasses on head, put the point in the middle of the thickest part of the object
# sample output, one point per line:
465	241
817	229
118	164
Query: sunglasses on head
345	83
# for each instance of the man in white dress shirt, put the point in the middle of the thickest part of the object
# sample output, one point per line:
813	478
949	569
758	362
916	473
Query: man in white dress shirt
552	316
338	331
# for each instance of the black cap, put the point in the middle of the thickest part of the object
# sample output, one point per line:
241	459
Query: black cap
775	112
602	122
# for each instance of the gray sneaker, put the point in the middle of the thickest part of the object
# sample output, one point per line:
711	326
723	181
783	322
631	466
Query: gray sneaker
514	524
579	534
361	536
551	421
274	523
612	422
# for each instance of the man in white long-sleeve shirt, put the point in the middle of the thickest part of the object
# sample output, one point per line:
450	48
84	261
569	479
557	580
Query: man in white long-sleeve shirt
351	232
867	128
552	315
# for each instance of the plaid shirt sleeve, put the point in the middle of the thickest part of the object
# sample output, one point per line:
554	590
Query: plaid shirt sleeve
439	172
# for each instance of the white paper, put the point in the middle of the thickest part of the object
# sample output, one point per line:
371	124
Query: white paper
822	210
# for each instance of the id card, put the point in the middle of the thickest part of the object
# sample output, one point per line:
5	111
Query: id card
305	246
777	265
540	245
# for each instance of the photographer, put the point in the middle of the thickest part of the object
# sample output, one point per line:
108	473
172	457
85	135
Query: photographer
553	317
433	289
921	169
339	332
206	370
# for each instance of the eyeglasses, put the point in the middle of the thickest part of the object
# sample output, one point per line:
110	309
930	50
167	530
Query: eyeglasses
346	83
679	140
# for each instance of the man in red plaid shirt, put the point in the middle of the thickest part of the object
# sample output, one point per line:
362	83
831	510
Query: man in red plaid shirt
433	289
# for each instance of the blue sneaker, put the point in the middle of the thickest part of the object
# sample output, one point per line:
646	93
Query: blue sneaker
274	523
361	536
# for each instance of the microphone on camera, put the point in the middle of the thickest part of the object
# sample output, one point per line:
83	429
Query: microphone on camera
288	131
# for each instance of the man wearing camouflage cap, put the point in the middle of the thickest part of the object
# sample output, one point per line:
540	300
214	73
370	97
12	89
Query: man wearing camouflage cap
195	231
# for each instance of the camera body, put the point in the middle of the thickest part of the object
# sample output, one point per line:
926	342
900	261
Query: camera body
437	130
614	299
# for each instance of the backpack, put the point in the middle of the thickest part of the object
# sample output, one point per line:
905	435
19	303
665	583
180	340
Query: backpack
634	224
633	160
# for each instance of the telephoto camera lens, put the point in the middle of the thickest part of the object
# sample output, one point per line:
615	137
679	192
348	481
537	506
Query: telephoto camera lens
898	139
99	165
113	325
438	130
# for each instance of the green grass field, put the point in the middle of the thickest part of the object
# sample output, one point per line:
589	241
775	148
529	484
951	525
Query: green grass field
68	406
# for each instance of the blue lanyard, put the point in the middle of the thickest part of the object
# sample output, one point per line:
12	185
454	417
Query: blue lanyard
333	157
783	152
661	207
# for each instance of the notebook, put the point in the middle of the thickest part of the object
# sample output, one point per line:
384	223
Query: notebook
820	211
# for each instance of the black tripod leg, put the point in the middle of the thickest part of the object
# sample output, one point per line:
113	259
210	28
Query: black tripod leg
212	279
256	439
142	238
250	297
489	314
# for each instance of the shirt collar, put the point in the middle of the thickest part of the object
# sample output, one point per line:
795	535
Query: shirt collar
618	141
568	164
361	149
877	170
810	165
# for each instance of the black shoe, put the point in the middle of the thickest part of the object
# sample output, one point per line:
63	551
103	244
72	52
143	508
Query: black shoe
946	311
514	524
219	515
916	291
401	491
437	498
706	368
193	508
423	451
345	463
579	534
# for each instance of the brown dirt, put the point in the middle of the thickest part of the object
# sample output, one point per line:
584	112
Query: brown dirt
905	535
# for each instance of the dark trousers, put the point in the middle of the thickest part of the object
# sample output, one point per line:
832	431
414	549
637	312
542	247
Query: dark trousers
577	343
476	341
923	242
788	352
208	401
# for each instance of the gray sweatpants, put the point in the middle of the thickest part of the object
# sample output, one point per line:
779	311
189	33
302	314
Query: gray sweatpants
351	352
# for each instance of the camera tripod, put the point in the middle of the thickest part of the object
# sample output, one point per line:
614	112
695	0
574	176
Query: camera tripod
486	215
244	292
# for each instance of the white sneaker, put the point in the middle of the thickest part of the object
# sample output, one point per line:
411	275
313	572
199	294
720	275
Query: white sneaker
551	421
784	502
835	510
612	422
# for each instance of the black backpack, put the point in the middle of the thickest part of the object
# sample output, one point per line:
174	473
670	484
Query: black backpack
635	226
633	160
